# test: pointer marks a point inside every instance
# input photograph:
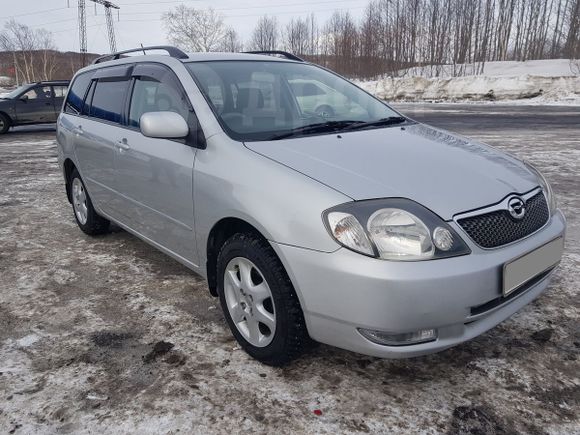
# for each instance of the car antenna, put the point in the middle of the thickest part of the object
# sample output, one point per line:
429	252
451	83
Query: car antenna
143	48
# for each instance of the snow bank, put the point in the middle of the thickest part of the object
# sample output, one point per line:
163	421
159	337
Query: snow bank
550	83
544	68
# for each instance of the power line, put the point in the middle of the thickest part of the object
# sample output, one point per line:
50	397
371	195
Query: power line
258	14
157	2
76	28
59	21
261	6
32	13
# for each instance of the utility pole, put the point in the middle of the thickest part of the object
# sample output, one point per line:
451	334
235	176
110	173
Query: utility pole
109	18
83	32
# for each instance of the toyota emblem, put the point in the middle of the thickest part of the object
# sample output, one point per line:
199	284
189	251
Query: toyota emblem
516	207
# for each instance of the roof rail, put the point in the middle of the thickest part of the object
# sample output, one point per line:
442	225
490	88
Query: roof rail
171	51
281	53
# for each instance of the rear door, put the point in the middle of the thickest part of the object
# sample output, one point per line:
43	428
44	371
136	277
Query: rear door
95	131
35	106
155	176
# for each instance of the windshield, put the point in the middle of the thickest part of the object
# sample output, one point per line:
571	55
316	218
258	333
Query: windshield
16	92
265	100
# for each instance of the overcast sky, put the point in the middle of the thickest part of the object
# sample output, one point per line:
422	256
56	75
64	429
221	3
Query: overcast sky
140	20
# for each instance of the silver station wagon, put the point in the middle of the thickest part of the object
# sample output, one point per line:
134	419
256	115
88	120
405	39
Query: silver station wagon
351	225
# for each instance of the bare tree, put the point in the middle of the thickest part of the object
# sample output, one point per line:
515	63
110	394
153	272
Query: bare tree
194	29
342	43
572	45
451	36
297	36
231	41
265	34
33	51
47	50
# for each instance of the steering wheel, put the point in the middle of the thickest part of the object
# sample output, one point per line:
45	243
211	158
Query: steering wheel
236	118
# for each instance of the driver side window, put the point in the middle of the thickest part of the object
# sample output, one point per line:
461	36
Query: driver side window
152	95
39	93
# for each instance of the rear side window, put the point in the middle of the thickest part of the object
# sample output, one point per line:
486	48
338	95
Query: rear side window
59	91
76	94
109	100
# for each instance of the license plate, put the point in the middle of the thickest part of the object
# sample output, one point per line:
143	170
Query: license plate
519	271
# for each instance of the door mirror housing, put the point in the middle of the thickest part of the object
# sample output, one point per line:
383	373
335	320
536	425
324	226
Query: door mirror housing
166	125
24	98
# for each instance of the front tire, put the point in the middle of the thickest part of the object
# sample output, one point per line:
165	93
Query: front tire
4	123
259	301
87	218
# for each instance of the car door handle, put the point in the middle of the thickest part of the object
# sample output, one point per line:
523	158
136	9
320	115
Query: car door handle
123	145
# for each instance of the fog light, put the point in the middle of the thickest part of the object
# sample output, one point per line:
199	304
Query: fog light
442	238
404	339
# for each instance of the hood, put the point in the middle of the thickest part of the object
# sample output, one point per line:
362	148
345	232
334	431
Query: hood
446	173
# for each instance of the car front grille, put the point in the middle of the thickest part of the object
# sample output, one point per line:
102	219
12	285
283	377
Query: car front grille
497	228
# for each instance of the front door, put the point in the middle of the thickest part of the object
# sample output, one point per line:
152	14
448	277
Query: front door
35	106
154	177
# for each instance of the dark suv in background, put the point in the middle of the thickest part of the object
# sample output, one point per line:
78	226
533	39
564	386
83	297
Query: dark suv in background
36	103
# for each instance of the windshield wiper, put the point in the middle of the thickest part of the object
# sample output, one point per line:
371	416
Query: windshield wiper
319	127
380	122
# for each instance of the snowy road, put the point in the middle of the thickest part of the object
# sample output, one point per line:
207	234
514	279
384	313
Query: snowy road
80	319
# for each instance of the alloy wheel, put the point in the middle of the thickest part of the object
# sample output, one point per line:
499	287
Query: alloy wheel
79	197
249	301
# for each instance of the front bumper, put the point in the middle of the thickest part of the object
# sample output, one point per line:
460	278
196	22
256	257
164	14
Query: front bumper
342	291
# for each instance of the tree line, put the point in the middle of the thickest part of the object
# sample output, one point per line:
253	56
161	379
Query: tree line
393	35
33	55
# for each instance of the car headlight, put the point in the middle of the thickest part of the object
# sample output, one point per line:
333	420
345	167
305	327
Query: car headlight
547	189
393	229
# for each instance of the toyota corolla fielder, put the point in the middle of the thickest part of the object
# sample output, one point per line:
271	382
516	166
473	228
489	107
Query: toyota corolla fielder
352	225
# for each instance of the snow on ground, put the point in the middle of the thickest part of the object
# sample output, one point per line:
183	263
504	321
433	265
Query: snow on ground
544	68
81	319
532	82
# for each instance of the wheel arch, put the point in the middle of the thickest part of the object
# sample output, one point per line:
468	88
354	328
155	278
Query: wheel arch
8	117
68	168
220	232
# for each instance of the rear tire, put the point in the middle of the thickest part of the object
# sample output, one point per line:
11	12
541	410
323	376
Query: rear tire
87	218
4	123
262	299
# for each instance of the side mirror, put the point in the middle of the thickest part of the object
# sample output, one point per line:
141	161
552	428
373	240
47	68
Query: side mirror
167	125
24	98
